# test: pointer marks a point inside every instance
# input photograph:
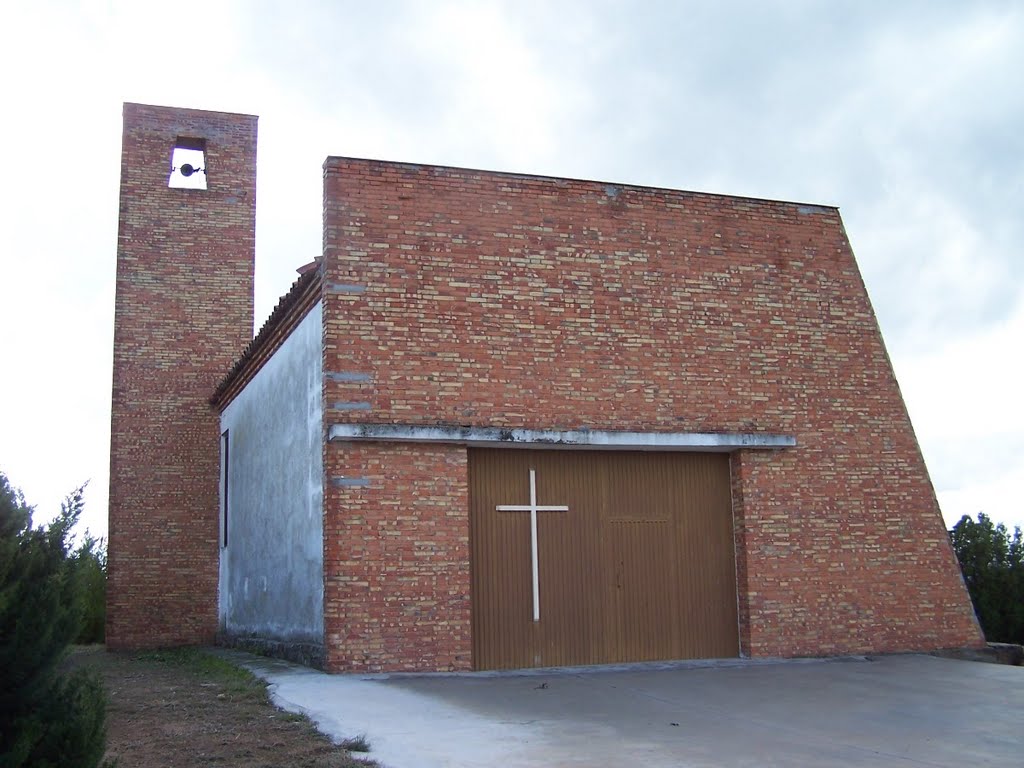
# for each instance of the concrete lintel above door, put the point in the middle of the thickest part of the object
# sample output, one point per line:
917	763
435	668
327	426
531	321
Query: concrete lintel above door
484	437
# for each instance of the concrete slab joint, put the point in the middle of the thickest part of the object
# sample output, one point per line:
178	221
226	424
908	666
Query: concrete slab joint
350	482
357	405
348	376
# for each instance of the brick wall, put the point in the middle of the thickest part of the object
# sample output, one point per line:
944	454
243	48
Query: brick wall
183	313
486	299
396	559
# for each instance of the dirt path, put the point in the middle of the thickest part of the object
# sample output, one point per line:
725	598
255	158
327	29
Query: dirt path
185	708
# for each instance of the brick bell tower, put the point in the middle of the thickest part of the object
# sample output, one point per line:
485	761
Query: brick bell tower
183	314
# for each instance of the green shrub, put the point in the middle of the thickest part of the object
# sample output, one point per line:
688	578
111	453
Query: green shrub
48	719
89	571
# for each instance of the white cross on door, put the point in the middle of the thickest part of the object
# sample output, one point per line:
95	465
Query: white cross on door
533	508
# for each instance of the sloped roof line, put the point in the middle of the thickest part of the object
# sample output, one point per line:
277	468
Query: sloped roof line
252	356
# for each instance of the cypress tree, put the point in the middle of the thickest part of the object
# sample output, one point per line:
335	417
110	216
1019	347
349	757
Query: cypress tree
47	718
992	562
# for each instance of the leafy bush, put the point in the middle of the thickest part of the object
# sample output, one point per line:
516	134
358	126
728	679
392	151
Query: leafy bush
49	719
89	571
992	562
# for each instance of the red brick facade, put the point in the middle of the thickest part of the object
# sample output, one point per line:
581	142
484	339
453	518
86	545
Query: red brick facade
396	559
489	299
462	298
183	314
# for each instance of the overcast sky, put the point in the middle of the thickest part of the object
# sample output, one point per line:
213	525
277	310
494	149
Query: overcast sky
907	115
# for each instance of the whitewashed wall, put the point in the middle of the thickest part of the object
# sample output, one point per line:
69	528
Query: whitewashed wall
271	572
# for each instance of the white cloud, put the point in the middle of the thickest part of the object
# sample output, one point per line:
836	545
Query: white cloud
964	399
971	387
906	115
994	497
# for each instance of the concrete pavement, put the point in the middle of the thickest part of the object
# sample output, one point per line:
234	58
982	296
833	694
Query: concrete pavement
886	711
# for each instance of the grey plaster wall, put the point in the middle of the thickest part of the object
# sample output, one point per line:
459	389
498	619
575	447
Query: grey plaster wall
271	570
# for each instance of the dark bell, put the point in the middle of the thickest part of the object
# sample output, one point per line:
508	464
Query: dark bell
187	170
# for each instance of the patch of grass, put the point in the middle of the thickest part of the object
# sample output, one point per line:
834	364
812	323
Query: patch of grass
190	709
235	680
357	743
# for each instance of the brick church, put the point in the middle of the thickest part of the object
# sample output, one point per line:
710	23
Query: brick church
505	421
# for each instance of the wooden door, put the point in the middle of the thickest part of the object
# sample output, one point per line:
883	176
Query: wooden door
639	568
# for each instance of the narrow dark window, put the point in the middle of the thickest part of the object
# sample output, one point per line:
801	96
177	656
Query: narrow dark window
224	484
